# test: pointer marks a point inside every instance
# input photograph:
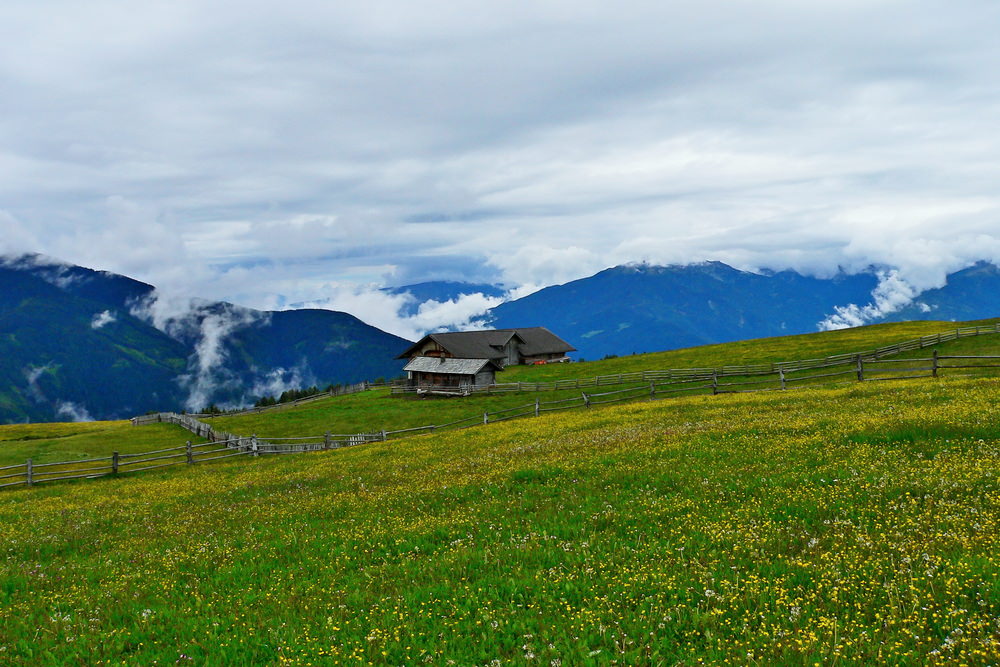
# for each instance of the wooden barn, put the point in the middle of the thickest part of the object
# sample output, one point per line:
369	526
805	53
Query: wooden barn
458	362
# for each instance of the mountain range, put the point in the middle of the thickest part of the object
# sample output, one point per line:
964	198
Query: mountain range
77	344
645	308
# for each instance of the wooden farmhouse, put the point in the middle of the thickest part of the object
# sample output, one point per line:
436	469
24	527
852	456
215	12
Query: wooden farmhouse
458	362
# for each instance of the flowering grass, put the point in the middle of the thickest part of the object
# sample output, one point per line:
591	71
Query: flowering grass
376	410
45	443
857	525
754	351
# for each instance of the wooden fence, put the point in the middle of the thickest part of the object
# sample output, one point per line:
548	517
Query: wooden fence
853	368
867	366
786	367
342	390
856	368
30	473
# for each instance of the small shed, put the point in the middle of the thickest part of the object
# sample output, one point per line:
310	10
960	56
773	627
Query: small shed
441	375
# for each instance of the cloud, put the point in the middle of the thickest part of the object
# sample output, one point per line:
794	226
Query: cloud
206	326
388	311
262	157
548	265
51	270
279	380
207	373
74	412
464	312
891	294
33	374
16	237
102	319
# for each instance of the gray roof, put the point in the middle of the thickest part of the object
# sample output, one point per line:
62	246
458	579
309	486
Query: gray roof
539	340
451	366
489	344
468	344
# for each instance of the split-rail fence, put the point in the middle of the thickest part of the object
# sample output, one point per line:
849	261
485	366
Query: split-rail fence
649	385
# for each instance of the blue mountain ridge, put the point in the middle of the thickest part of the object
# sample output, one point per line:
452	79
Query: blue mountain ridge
74	342
645	308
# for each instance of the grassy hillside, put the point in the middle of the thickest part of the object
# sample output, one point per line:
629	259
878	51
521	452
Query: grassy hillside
759	350
857	525
373	411
45	443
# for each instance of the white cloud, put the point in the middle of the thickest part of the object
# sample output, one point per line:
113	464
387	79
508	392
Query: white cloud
16	237
102	319
279	380
74	412
32	374
891	294
271	153
464	312
207	326
547	265
386	311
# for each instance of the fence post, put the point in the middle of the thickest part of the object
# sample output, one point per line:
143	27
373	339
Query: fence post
114	463
326	440
934	366
861	369
652	390
383	435
781	376
486	417
538	407
30	472
586	399
189	452
715	383
253	445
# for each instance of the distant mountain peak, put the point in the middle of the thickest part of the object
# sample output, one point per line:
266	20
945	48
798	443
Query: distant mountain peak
706	267
682	305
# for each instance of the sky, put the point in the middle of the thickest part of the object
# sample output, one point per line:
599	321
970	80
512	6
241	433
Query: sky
273	154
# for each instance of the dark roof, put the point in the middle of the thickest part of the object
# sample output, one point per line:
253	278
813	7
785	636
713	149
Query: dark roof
539	340
489	344
467	344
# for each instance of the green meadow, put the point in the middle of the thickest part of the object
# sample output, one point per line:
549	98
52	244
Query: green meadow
48	443
854	524
376	410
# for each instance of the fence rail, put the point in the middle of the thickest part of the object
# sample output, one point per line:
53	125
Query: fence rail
30	473
726	371
865	367
667	383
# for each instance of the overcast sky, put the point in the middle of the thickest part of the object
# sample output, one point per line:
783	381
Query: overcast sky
275	153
